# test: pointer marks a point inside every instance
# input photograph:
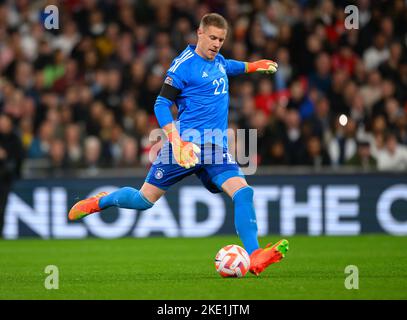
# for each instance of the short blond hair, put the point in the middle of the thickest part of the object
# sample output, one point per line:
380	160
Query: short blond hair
213	19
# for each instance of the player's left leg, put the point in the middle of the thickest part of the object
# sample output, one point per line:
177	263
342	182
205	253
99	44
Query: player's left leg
246	226
126	197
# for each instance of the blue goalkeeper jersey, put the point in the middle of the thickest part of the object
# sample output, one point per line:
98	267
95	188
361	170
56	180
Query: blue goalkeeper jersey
203	101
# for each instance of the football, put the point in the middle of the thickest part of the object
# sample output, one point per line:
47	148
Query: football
232	261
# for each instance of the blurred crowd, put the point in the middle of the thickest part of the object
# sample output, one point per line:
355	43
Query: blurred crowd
82	96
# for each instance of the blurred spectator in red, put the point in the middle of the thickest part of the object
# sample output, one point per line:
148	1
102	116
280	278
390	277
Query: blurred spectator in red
265	99
344	59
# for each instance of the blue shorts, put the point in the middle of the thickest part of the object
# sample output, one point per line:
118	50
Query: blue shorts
215	166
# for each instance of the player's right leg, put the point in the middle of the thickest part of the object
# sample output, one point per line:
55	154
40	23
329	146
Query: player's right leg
127	197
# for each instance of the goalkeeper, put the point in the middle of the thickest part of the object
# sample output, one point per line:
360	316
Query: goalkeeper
197	82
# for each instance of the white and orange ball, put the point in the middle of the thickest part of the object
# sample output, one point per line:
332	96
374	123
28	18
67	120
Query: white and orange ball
232	261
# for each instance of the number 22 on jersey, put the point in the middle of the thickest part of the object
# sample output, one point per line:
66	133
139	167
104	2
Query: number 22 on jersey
219	83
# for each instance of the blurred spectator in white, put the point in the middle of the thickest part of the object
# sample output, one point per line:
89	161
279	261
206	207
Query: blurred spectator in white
97	23
377	53
372	90
92	155
394	155
68	39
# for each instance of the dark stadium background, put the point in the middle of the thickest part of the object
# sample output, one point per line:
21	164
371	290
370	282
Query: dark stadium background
82	96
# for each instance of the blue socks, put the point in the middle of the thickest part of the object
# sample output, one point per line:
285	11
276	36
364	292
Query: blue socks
245	218
128	198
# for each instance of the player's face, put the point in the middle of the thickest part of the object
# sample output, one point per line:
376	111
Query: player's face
210	40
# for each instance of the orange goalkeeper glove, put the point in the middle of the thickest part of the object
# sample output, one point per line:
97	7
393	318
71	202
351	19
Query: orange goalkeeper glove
184	152
263	66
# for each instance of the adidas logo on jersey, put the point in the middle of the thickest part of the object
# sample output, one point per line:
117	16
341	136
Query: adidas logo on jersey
204	74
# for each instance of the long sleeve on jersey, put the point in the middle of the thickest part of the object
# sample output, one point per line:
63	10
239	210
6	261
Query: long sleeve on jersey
162	111
234	67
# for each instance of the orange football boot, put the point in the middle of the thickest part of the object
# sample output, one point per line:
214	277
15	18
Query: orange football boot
86	207
260	259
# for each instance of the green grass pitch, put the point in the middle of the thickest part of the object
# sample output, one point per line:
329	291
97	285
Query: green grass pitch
165	268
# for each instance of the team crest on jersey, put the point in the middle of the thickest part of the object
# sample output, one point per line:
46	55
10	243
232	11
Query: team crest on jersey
159	173
168	80
222	69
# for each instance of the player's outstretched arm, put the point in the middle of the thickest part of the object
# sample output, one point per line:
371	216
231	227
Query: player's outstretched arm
263	66
184	152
